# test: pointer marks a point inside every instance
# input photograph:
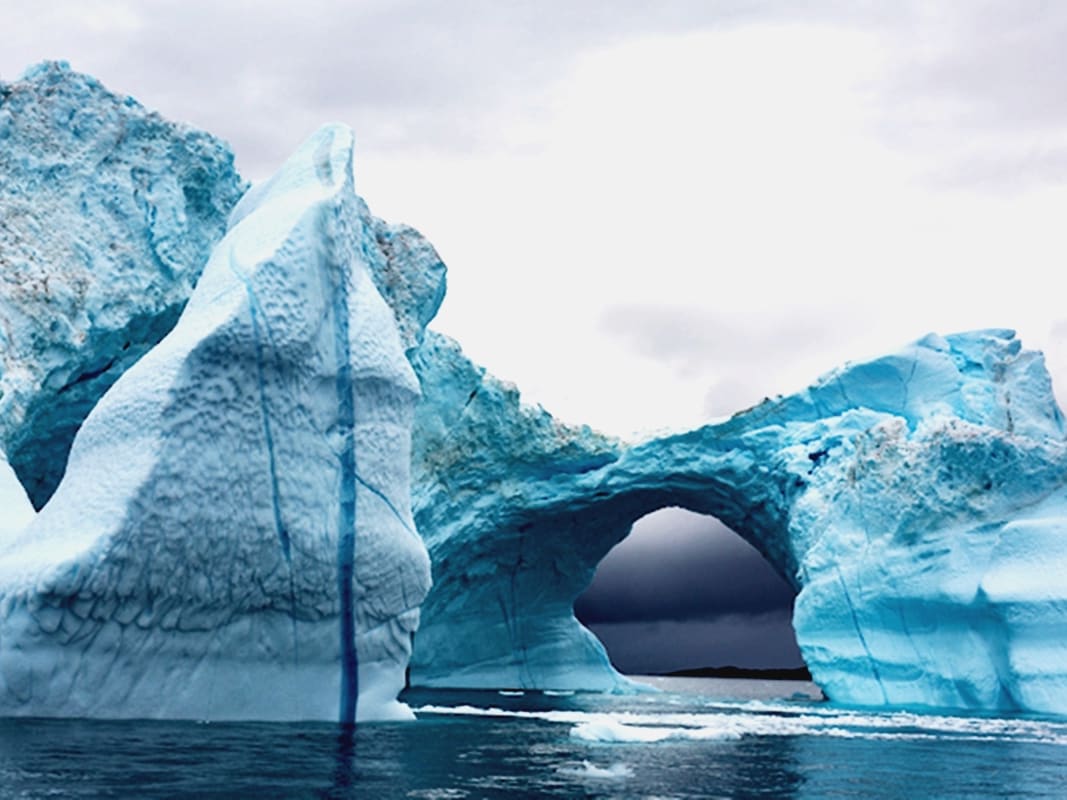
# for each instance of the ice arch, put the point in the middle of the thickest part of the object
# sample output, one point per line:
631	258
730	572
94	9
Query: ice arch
918	502
514	544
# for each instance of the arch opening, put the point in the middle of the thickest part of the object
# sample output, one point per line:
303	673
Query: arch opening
684	594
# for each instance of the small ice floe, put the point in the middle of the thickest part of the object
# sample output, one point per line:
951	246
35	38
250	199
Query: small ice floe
510	693
558	692
588	770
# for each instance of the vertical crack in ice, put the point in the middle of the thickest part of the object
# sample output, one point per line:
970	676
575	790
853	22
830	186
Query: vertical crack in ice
859	634
254	312
268	435
526	678
388	503
907	381
507	599
346	533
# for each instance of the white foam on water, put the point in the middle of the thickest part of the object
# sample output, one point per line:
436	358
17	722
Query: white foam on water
779	721
610	730
438	794
510	693
587	770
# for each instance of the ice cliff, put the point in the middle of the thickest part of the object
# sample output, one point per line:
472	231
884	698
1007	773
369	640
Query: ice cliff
194	560
233	537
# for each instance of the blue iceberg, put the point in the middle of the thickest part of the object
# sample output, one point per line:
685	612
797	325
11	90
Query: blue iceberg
232	537
915	501
107	215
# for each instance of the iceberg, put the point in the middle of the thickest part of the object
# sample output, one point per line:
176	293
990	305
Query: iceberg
107	215
193	561
232	537
915	501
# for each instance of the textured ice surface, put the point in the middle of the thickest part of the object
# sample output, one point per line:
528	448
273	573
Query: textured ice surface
107	215
496	487
233	537
919	501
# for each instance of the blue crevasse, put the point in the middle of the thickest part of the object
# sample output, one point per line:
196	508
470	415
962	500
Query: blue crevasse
232	538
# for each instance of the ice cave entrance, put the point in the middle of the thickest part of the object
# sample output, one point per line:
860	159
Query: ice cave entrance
685	592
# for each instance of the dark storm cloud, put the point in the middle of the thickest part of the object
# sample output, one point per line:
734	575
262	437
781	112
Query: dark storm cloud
755	642
676	565
683	591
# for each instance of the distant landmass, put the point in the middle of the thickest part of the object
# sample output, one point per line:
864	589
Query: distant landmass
794	674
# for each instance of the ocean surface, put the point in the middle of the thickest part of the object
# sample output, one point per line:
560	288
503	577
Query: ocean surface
697	738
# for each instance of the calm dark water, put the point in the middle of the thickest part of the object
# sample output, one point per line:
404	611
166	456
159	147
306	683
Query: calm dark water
707	739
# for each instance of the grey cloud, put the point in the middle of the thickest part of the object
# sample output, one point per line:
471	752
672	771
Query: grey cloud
445	76
405	74
987	63
693	339
430	75
980	89
738	356
1005	167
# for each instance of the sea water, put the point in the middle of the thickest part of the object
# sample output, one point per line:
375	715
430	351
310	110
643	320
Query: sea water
696	738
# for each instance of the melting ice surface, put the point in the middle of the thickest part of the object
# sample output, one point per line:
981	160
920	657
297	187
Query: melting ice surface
481	744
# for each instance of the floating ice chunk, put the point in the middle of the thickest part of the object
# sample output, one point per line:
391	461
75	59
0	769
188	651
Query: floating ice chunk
588	771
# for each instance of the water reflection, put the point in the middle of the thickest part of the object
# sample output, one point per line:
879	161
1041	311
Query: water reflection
345	776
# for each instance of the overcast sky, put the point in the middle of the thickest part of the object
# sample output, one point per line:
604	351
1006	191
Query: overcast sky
653	213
